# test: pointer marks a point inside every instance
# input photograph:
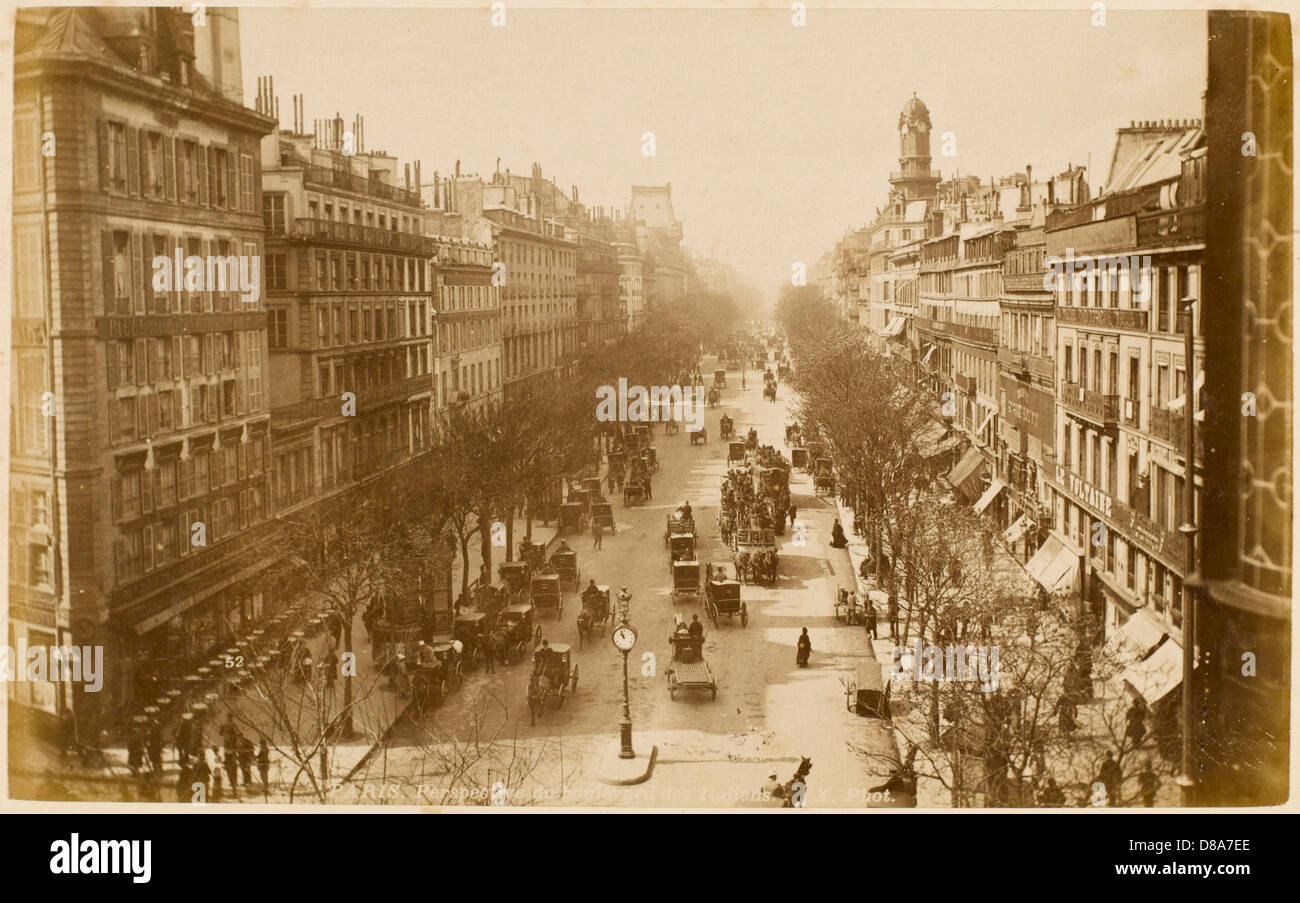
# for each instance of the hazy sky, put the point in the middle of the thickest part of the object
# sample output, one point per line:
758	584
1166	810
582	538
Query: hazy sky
776	139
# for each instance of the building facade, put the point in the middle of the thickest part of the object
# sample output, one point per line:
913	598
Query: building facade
140	445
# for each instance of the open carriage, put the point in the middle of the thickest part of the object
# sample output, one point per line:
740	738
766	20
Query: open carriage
688	669
595	612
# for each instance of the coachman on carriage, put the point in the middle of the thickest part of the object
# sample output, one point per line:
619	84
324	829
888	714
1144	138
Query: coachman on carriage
727	427
595	612
515	632
554	677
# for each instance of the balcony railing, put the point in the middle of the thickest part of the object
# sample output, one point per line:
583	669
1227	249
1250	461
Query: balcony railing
1105	317
1099	408
1169	426
356	234
1017	362
346	181
1171	226
315	408
980	335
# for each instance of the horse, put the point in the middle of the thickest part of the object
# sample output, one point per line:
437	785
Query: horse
539	687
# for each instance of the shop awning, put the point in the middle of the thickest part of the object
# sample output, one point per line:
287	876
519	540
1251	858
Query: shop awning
989	495
1134	639
1017	530
1054	565
893	327
1156	676
966	470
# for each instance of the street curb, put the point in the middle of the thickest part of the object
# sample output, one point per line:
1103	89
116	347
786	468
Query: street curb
637	778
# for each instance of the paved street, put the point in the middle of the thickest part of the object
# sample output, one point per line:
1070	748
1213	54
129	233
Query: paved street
767	713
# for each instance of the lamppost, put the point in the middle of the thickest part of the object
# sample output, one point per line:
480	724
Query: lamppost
1187	528
624	638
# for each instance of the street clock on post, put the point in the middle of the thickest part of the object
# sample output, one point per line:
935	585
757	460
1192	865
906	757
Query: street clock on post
624	637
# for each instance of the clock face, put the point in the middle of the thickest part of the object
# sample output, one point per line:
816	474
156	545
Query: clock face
624	638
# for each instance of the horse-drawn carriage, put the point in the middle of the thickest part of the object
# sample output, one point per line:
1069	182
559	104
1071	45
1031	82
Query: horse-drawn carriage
650	458
720	378
470	627
799	457
602	513
515	631
436	668
564	561
514	578
713	398
727	427
688	669
617	463
700	435
823	477
635	493
545	594
736	453
769	392
533	554
595	612
679	521
686	577
573	517
681	547
751	440
554	677
722	597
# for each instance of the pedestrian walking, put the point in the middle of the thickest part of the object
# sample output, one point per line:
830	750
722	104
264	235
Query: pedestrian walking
1149	783
1112	778
232	769
155	746
202	775
264	765
597	533
489	647
792	513
331	667
871	619
893	618
218	773
184	735
1066	712
245	759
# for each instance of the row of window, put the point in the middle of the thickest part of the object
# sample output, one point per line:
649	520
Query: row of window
173	480
150	164
129	274
31	557
1167	383
1095	458
149	547
144	362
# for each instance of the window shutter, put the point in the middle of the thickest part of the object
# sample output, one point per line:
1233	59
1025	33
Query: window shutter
146	491
105	177
183	481
232	181
169	166
114	422
137	260
202	154
183	533
147	174
116	497
110	284
133	161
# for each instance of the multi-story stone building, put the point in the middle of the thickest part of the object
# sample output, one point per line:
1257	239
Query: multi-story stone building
350	308
140	441
631	280
659	236
539	266
602	314
1116	481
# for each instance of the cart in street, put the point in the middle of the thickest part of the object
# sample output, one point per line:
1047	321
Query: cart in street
545	594
573	518
722	597
697	436
516	632
720	378
595	613
554	677
688	669
735	453
686	578
602	512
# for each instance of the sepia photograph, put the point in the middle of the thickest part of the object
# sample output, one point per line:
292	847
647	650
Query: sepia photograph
673	408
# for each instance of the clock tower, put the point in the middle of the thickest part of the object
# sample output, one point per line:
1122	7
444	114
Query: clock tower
914	180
